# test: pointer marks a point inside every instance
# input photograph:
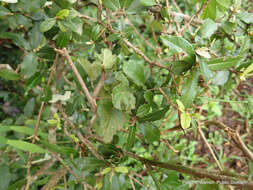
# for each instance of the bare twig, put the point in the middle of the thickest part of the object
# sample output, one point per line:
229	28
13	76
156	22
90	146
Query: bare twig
65	53
99	85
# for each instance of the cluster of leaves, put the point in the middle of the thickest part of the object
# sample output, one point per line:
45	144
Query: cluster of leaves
158	66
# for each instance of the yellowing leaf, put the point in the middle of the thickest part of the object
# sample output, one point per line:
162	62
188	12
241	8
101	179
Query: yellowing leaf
106	170
185	120
121	169
180	105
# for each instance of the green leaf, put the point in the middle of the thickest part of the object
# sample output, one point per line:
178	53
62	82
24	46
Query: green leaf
59	149
135	71
106	58
151	133
9	75
90	164
180	106
156	115
210	10
4	11
64	3
179	67
37	40
106	170
131	137
208	28
221	78
18	39
62	14
47	24
178	45
29	65
223	62
189	90
29	107
75	25
246	17
122	98
143	110
22	129
26	146
112	4
148	3
93	70
111	120
5	176
121	169
207	73
63	39
185	120
125	3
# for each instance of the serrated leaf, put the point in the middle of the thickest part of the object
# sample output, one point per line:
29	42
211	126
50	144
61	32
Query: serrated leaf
47	24
208	28
189	90
111	120
223	62
75	25
106	58
185	120
112	4
135	71
26	146
121	169
62	14
29	64
9	75
93	70
178	45
151	133
122	98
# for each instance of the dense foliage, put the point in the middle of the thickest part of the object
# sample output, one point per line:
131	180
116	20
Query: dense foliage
117	94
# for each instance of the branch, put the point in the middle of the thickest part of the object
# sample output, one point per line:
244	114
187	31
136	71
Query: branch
197	172
65	53
99	85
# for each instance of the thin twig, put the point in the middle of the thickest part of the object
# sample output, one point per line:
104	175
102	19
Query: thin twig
65	53
99	85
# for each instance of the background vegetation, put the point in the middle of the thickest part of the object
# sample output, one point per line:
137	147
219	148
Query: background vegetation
126	94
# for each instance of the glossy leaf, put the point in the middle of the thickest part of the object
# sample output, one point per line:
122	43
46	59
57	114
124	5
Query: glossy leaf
151	133
148	2
37	40
29	65
189	90
111	120
62	14
179	67
47	24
